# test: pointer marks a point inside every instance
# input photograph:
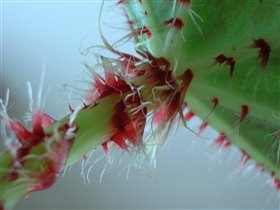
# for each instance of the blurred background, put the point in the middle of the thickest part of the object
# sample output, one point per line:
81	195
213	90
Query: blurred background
190	173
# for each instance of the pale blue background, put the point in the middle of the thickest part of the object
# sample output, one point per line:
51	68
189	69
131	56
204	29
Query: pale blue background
190	173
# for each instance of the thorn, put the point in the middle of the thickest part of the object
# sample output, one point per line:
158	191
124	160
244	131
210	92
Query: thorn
244	158
189	116
222	59
202	127
222	141
264	51
215	102
244	112
70	107
177	23
186	3
120	2
143	30
105	147
259	166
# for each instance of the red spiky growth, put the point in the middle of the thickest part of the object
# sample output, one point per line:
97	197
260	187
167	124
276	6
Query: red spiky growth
189	116
120	2
52	164
244	158
127	127
30	139
128	124
177	23
244	113
132	80
260	167
143	30
275	181
264	51
215	102
85	157
186	3
202	127
222	59
125	80
131	23
174	102
222	141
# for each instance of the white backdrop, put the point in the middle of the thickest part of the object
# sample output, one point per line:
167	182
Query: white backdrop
191	173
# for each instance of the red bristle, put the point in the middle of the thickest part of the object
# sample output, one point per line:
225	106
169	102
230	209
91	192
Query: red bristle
231	64
105	147
202	127
189	116
160	115
12	176
99	83
222	59
56	157
260	167
37	127
187	3
264	51
227	144
187	77
131	133
130	23
39	121
84	157
85	105
127	127
244	112
222	140
277	183
47	120
119	139
143	30
215	102
177	101
111	79
128	67
120	2
56	163
244	158
20	131
70	107
98	87
147	32
177	23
